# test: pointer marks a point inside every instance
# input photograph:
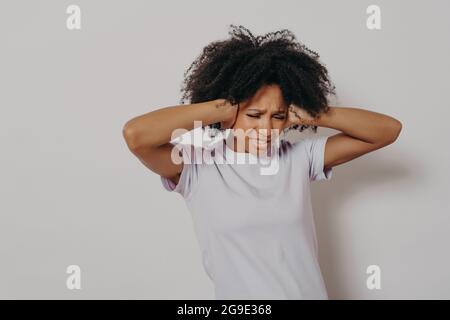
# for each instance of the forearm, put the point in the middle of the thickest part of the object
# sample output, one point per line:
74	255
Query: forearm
155	128
365	125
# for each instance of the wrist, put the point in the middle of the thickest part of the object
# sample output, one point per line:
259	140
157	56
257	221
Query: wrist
217	111
225	110
324	118
299	116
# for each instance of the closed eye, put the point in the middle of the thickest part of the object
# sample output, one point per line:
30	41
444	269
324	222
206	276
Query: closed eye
276	117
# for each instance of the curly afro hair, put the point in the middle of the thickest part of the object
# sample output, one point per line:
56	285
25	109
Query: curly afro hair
234	69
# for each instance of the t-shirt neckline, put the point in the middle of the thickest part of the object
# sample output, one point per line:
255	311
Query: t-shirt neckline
235	156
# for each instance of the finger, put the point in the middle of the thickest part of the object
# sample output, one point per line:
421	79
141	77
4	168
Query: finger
235	117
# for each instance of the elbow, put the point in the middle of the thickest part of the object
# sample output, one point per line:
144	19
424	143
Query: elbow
395	130
130	135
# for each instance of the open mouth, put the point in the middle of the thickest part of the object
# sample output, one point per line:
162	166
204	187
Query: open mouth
261	139
260	143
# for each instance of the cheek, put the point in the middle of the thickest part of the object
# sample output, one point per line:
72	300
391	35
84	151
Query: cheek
280	125
243	122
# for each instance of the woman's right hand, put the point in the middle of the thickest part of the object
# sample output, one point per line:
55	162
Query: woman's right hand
229	111
149	136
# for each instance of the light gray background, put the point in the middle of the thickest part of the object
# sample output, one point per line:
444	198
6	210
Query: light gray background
71	192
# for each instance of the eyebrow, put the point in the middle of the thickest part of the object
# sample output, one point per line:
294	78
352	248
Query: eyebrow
262	111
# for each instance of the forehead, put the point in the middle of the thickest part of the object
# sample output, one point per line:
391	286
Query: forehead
268	97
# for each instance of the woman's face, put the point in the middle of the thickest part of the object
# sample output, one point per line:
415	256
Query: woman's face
264	116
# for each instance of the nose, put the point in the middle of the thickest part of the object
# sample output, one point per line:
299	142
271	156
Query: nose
264	129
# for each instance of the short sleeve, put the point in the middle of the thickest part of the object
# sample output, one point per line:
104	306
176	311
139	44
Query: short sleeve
315	149
189	175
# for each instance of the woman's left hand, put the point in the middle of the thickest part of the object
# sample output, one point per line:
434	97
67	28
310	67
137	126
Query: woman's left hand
298	116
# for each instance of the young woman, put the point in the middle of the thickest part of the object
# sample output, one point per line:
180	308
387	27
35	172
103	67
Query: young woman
256	231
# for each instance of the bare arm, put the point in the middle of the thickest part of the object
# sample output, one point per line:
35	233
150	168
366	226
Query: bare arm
363	131
148	136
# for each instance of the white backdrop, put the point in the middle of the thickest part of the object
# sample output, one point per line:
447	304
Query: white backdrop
72	194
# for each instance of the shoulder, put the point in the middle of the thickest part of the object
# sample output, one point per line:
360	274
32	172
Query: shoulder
310	147
189	153
309	143
313	149
292	147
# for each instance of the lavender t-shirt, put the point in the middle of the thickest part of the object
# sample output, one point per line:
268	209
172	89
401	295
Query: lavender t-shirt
256	231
